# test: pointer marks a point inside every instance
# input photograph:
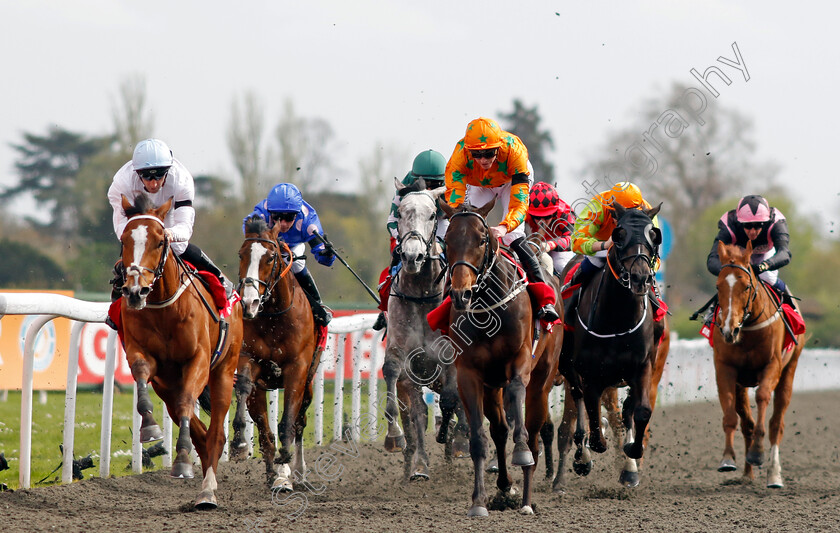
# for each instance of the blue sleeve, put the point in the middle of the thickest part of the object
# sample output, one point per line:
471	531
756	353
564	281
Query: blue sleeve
259	210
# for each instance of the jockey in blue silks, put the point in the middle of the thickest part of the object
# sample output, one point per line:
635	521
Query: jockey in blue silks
299	224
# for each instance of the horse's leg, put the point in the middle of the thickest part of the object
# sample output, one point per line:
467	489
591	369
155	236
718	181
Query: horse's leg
547	436
522	455
242	389
294	378
259	414
406	399
391	369
725	377
141	370
617	417
419	422
299	464
471	392
221	388
536	414
640	391
496	414
781	400
461	438
767	381
564	442
742	408
592	404
583	458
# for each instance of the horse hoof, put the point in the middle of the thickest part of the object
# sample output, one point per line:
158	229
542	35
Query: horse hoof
150	434
492	466
582	469
522	459
394	444
526	510
727	465
755	458
206	501
775	484
629	479
419	476
477	511
182	471
597	446
558	490
460	448
282	486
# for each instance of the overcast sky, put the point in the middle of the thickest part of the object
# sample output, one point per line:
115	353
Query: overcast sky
412	74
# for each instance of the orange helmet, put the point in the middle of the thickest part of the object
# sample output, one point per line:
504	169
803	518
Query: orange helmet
482	133
625	193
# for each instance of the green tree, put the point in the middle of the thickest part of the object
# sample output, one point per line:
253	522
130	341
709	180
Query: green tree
25	267
525	122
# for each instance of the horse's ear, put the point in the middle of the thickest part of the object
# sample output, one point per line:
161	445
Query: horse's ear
447	209
398	184
437	193
161	211
723	253
275	231
749	250
617	211
618	236
653	211
486	208
126	203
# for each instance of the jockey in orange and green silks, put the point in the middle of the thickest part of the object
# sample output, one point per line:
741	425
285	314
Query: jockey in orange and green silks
491	163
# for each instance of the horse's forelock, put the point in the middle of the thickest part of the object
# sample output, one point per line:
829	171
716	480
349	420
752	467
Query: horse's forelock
255	224
142	204
416	186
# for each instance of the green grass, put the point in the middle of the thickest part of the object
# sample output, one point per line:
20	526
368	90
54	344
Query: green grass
48	426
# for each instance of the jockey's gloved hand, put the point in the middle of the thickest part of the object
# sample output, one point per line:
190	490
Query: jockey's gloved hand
763	266
324	255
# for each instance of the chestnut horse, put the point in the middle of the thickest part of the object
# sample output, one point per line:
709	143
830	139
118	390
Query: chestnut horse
412	354
175	338
749	343
492	328
615	337
280	350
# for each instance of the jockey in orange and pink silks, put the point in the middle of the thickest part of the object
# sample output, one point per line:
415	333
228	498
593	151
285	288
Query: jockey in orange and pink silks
754	220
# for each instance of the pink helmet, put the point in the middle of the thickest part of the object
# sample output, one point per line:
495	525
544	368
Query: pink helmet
753	208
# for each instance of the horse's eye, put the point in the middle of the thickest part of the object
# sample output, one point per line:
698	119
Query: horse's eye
160	244
432	216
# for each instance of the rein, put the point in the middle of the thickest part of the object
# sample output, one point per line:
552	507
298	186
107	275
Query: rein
429	245
750	300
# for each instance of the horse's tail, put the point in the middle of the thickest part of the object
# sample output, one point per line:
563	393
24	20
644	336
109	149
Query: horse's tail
204	399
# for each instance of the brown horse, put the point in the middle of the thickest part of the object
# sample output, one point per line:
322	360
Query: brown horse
748	351
175	338
280	350
492	329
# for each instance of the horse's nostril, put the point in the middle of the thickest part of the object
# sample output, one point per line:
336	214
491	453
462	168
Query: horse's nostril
145	291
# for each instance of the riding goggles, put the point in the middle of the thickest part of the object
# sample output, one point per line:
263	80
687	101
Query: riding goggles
284	216
153	174
754	225
483	154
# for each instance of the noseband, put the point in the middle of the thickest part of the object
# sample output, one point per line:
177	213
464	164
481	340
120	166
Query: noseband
622	273
135	269
750	299
273	277
414	234
487	260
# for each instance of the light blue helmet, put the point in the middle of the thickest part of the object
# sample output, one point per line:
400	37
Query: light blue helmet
151	153
284	197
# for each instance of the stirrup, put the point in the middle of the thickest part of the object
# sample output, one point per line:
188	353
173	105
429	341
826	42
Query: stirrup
381	322
548	313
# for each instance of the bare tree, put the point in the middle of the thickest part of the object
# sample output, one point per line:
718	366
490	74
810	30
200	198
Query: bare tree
377	171
245	139
305	145
132	121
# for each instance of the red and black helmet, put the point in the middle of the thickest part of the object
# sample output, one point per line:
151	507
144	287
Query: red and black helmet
544	200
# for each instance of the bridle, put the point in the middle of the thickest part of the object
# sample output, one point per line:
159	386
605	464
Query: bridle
622	273
753	293
273	277
415	234
488	259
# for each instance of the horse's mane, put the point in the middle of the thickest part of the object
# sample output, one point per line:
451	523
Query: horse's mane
142	204
416	186
255	224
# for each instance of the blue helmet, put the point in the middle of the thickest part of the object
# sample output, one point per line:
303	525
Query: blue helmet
284	197
151	153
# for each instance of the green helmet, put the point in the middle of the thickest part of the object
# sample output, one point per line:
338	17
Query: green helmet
429	165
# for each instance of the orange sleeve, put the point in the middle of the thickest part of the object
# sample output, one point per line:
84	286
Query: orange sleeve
456	172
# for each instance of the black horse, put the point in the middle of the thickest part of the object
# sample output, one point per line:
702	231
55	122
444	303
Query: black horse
615	336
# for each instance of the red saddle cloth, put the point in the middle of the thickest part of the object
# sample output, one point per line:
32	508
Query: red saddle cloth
797	325
438	318
217	292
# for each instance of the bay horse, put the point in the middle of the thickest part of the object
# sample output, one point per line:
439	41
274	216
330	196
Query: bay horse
492	330
281	349
614	341
750	351
413	354
175	339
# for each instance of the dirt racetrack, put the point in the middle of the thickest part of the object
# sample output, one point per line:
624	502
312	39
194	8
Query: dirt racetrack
680	490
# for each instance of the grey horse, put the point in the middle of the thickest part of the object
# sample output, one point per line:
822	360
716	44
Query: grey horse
416	356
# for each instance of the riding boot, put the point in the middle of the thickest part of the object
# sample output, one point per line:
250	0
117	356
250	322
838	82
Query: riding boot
197	258
381	321
581	276
319	312
532	268
784	293
118	281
